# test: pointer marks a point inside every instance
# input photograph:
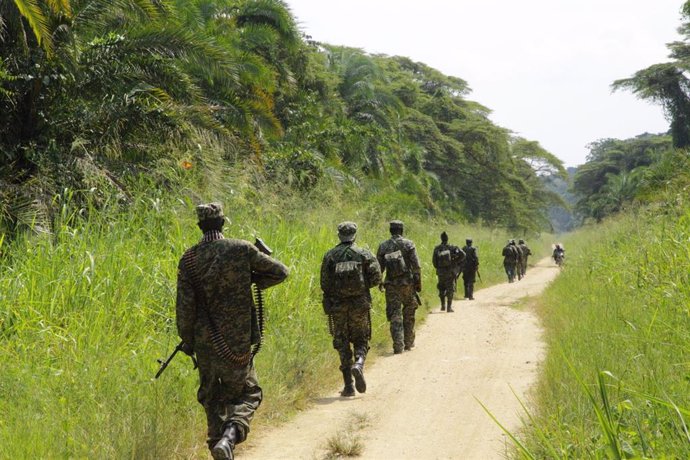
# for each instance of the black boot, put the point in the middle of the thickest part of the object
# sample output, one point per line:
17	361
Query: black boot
358	374
223	450
450	305
348	389
443	303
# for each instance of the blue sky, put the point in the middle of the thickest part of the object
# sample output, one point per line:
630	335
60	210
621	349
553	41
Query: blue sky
544	67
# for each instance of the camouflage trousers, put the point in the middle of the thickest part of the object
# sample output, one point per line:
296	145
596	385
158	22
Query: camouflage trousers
228	394
468	278
446	285
511	270
350	324
401	306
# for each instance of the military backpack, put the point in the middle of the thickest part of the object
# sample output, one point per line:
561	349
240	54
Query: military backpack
395	263
349	274
444	258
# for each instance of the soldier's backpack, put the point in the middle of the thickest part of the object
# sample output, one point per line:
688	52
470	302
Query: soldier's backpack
471	259
444	258
395	264
349	275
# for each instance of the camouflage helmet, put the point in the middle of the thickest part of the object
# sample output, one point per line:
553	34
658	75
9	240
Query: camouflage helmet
347	231
209	211
511	241
521	241
396	225
444	236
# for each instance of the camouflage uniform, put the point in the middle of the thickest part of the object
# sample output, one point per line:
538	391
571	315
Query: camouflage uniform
526	252
470	268
225	271
401	301
349	315
518	259
447	275
510	256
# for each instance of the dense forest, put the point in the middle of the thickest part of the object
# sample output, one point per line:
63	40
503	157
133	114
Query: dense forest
95	95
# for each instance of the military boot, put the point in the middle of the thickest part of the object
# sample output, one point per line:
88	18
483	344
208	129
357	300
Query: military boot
358	374
223	450
348	389
450	305
443	303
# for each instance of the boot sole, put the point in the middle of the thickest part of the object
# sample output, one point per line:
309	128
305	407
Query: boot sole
220	453
360	383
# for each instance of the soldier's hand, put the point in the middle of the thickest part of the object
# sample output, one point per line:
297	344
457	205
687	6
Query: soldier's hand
382	287
187	349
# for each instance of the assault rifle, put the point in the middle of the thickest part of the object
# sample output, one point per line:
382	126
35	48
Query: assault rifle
164	364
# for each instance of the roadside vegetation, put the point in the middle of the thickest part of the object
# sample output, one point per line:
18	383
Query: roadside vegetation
616	382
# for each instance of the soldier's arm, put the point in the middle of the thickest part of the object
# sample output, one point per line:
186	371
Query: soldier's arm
326	281
266	271
185	307
434	259
415	267
381	258
373	270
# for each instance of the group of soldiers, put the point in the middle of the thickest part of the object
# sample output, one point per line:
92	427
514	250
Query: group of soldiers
220	318
515	259
450	261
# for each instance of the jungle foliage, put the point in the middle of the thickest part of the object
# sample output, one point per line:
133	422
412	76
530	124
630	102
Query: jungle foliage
94	93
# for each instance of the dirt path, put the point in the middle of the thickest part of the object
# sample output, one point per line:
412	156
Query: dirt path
421	404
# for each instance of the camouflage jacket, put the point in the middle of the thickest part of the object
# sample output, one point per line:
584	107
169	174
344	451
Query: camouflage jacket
409	252
525	250
226	269
510	255
370	269
471	258
457	259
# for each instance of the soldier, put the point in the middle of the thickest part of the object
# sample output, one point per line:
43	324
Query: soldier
347	274
470	268
217	321
510	258
447	261
558	254
397	257
518	259
526	252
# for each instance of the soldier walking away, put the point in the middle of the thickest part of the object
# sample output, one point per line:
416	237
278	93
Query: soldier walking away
510	257
470	268
347	274
219	323
397	257
447	261
526	252
518	259
558	254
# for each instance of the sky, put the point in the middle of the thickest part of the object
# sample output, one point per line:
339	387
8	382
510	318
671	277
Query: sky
544	67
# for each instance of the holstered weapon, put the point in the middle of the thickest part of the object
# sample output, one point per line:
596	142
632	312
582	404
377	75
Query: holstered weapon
164	364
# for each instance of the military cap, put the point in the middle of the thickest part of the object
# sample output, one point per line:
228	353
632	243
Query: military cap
468	240
209	211
396	225
347	231
521	241
444	236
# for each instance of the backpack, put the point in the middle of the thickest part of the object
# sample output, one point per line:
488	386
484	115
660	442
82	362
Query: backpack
349	276
470	257
395	264
444	258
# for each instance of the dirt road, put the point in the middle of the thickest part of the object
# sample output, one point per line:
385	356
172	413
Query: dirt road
423	404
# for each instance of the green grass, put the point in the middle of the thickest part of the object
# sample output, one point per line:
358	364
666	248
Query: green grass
616	382
85	312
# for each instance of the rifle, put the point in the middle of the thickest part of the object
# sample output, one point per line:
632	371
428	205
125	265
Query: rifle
164	364
419	300
258	294
479	275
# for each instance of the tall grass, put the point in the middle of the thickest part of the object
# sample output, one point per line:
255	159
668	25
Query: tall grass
86	310
616	383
